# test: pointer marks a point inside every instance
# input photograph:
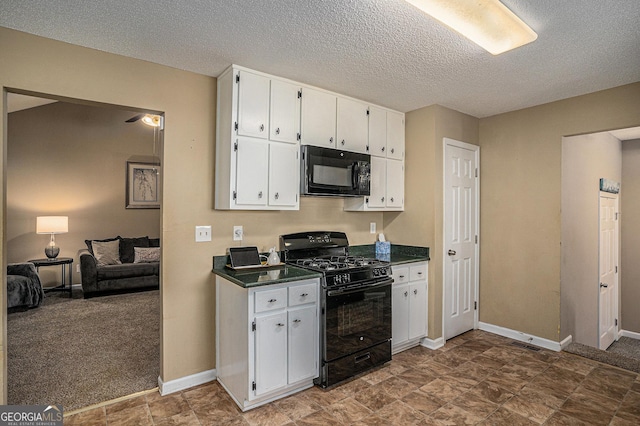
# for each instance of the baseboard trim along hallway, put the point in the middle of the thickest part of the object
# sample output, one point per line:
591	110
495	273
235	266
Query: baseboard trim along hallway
524	337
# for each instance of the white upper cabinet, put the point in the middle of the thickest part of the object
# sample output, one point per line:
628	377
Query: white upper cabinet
284	125
318	120
283	187
395	135
252	172
352	126
377	132
253	105
257	149
395	184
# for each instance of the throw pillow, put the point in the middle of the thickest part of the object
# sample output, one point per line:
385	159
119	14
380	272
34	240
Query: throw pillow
146	254
89	245
154	242
127	245
106	252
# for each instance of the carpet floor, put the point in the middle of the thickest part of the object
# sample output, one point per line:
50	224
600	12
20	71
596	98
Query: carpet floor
625	353
78	352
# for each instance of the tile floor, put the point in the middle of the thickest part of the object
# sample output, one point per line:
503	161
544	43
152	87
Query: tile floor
476	378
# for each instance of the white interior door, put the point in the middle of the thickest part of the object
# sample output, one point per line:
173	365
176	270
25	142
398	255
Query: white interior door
608	270
461	187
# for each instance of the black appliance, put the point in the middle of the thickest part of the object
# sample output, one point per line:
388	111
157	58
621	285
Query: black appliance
355	316
331	172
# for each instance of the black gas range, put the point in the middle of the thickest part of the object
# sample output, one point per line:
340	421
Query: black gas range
355	320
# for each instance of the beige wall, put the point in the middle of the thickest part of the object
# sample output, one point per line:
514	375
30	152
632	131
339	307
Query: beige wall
585	159
630	231
421	223
38	65
70	159
520	204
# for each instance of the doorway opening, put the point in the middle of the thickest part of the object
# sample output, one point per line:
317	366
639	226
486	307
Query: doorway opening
68	157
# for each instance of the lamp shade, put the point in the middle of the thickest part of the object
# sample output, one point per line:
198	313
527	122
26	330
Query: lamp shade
52	224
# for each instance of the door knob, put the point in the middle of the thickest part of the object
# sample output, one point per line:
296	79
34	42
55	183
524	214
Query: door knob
604	285
451	252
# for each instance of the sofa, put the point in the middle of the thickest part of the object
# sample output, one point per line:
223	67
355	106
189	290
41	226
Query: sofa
24	289
120	264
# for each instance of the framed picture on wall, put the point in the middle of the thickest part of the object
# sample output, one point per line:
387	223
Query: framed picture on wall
143	185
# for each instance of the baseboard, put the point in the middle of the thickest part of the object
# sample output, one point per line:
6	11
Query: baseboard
523	337
630	334
432	343
186	382
566	342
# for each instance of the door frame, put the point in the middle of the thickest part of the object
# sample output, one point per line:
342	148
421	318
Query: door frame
616	292
476	149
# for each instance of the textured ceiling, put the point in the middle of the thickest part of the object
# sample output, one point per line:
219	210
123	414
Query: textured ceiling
383	51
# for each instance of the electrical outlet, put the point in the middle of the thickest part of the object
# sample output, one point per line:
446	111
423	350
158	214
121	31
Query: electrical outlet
203	233
238	233
372	228
78	269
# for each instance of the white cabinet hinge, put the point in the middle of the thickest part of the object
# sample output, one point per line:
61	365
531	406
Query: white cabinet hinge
476	239
476	172
235	195
475	306
253	326
238	78
299	94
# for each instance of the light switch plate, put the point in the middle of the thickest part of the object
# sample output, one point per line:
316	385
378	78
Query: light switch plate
372	227
203	233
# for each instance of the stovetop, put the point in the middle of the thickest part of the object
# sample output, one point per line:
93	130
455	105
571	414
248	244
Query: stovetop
337	263
328	252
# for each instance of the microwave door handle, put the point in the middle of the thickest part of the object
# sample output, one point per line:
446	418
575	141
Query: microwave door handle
355	173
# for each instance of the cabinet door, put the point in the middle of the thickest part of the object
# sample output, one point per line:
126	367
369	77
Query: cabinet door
284	172
377	131
253	105
395	135
417	309
378	182
400	313
303	344
285	112
252	172
318	120
352	126
270	352
395	183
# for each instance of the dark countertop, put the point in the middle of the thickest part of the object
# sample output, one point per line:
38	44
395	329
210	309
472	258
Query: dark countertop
247	278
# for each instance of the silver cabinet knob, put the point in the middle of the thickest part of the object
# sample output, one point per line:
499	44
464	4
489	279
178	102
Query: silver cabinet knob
406	293
273	300
391	199
297	320
280	324
382	199
262	127
304	294
260	194
415	291
342	142
277	196
278	131
383	149
393	150
330	140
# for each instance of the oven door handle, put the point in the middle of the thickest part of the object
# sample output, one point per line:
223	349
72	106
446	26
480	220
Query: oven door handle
386	282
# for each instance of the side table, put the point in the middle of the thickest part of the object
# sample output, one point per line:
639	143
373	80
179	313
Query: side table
66	263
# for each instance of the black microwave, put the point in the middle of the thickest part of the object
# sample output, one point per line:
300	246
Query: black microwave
331	172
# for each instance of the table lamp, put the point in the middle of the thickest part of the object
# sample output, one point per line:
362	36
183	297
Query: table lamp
52	225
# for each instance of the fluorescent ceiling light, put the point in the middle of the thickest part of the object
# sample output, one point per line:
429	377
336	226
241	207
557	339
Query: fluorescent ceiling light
488	23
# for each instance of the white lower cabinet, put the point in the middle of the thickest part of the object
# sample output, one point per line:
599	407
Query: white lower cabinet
267	340
409	305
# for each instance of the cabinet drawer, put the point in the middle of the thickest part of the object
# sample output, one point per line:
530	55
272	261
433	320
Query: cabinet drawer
302	294
270	299
418	272
400	274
